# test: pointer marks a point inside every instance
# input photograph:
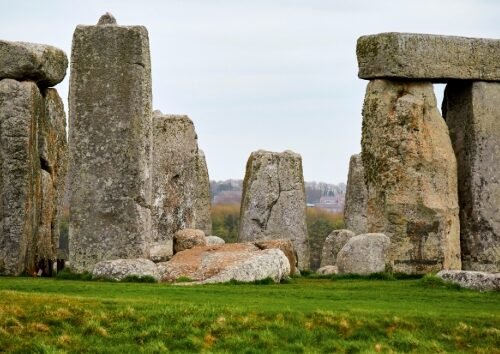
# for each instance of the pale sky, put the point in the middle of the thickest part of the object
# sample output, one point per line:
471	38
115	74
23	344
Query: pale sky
257	74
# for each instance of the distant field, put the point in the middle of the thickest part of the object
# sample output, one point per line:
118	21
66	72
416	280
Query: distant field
306	316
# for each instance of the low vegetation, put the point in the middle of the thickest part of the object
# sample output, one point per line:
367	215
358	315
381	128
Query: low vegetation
305	315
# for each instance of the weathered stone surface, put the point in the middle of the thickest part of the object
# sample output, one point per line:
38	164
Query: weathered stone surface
175	152
364	254
221	263
214	240
21	104
427	56
410	173
327	270
110	128
107	19
472	279
471	110
356	197
333	244
161	252
202	204
119	269
273	204
41	63
284	245
188	238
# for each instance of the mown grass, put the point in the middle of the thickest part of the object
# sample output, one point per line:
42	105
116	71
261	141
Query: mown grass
303	316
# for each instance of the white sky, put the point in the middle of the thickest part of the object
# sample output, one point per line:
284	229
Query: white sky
257	74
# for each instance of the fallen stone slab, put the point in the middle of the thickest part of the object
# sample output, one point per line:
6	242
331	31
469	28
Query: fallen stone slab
428	57
119	269
472	280
328	270
44	64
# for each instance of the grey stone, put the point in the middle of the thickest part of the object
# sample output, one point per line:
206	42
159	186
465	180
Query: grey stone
364	254
110	128
273	204
188	238
214	240
471	110
356	197
427	56
119	269
107	19
202	204
327	270
411	176
21	105
472	279
41	63
333	244
284	245
161	252
175	153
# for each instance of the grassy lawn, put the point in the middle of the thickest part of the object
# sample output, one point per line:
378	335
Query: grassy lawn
306	316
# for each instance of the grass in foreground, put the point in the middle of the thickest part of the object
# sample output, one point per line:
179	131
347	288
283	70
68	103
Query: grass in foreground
304	316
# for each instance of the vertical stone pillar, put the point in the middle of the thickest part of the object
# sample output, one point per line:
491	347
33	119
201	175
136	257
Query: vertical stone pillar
472	112
110	135
410	173
356	197
273	204
202	205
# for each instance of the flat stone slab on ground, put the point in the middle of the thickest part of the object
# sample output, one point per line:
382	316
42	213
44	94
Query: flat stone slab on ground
428	56
119	269
472	279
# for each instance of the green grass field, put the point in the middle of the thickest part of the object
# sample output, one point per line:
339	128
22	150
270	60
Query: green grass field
305	316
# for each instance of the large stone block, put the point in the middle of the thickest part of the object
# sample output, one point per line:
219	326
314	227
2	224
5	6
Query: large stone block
427	56
273	204
110	134
411	176
202	204
41	63
471	110
21	105
175	154
356	197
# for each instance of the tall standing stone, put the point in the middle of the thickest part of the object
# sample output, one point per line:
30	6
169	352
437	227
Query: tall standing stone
356	197
202	205
471	110
175	154
410	173
273	204
21	105
110	136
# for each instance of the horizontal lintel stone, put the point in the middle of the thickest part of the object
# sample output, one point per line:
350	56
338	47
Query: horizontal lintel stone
427	57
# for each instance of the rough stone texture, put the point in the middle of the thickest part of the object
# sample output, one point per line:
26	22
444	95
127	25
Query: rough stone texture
472	279
429	57
364	254
333	244
356	197
161	252
471	110
202	204
214	240
327	270
175	152
110	136
188	238
221	263
107	19
286	246
41	63
119	269
273	204
21	105
411	176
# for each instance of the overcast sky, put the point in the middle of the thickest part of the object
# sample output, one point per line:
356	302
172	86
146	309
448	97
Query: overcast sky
258	74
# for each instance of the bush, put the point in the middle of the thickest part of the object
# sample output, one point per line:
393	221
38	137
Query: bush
139	279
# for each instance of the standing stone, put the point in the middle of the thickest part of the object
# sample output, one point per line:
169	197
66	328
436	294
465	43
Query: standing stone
333	244
175	154
21	105
471	110
356	197
410	173
273	204
202	205
110	144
